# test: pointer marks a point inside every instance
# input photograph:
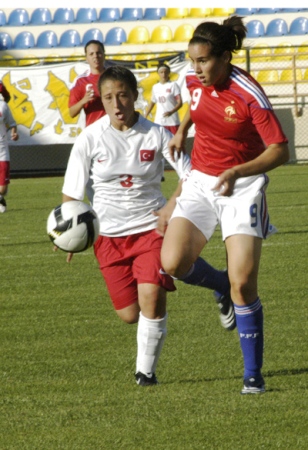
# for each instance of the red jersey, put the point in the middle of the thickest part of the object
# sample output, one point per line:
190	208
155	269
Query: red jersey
93	110
234	122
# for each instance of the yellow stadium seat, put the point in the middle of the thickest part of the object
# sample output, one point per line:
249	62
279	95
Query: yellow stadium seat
223	11
176	13
8	61
268	76
302	51
145	56
138	35
305	77
283	52
288	75
161	34
121	56
29	60
183	33
261	53
200	12
53	58
239	56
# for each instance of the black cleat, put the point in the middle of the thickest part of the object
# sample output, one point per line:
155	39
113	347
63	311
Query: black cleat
227	314
144	380
253	386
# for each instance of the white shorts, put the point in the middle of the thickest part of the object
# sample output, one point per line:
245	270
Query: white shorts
245	212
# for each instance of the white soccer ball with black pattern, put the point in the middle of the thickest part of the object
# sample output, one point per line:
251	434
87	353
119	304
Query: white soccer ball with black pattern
73	226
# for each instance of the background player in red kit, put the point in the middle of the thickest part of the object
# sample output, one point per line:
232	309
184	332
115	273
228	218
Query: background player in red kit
84	93
238	138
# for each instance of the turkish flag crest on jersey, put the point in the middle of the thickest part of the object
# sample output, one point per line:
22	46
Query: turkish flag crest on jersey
147	155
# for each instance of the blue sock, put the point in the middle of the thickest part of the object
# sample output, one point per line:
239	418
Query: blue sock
203	274
249	321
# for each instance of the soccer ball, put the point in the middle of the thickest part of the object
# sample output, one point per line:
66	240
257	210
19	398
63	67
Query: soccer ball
73	226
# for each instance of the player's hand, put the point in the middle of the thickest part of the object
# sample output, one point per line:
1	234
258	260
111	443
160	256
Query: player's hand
69	255
176	145
225	183
89	96
14	137
163	216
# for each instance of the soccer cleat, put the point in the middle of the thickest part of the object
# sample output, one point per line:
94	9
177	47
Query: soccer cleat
144	380
2	204
227	314
253	386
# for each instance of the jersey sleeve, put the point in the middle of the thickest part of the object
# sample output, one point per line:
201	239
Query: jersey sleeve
267	125
76	95
182	164
78	168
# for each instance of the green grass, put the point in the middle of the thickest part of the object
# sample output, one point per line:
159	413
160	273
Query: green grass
67	361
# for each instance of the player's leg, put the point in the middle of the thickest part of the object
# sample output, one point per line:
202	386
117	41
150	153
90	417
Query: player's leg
244	254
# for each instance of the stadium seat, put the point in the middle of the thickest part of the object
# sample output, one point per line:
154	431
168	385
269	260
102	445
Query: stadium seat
18	18
222	12
260	53
299	26
70	38
138	35
288	75
246	11
2	18
200	12
115	36
64	15
284	51
132	14
183	33
161	34
302	51
8	61
86	15
47	39
239	56
277	27
154	13
41	16
268	76
5	41
28	60
93	33
177	13
109	15
269	10
291	10
305	77
255	28
24	39
122	56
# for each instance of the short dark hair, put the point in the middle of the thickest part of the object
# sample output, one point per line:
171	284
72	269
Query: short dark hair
163	65
119	73
94	41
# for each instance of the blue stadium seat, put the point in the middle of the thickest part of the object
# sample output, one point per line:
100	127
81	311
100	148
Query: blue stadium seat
2	18
47	39
246	11
255	28
154	13
290	10
93	33
41	16
86	15
277	27
70	38
23	40
109	15
115	36
299	26
5	41
64	15
269	10
18	17
132	14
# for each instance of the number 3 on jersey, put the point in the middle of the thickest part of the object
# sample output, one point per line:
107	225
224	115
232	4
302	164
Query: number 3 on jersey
127	182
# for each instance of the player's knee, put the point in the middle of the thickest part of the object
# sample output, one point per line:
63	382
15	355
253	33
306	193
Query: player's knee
129	314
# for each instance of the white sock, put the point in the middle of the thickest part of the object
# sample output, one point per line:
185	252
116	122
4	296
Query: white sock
151	335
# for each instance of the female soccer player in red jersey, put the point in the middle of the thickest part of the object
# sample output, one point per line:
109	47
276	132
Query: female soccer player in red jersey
238	139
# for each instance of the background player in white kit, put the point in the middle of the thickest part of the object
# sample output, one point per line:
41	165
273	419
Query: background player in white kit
6	123
123	155
166	95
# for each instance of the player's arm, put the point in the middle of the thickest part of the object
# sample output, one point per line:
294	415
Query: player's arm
178	105
177	142
273	156
163	215
67	198
14	134
149	109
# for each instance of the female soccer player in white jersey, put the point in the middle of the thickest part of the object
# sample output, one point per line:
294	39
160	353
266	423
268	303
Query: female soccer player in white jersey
123	155
238	138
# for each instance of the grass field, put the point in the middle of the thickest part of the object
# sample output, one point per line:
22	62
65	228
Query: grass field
67	361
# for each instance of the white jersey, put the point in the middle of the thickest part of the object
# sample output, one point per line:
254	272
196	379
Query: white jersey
6	122
164	97
126	168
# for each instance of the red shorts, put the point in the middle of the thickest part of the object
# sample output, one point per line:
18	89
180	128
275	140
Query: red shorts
4	173
128	261
172	128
